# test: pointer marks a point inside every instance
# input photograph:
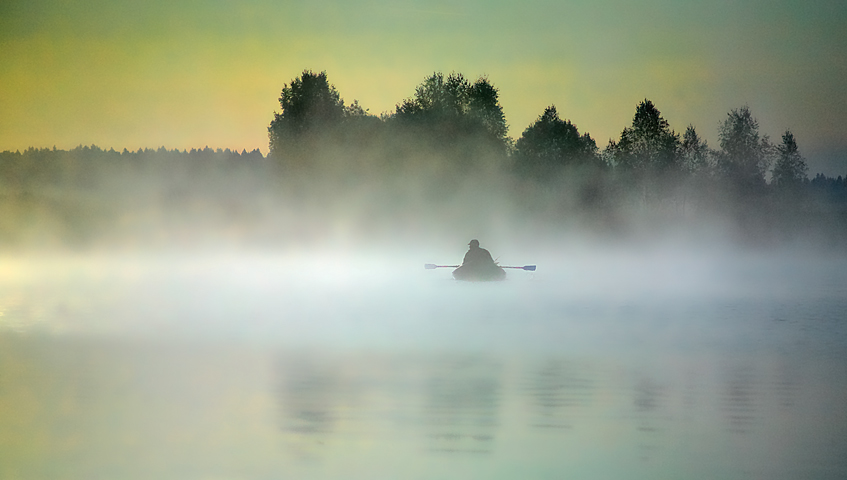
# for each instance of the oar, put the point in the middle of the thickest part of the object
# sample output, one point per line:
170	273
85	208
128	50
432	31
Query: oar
528	268
432	266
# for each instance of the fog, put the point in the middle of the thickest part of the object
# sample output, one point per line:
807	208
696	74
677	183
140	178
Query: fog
249	321
348	363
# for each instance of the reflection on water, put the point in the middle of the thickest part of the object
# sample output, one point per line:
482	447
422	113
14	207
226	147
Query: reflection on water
215	370
309	398
462	405
88	409
739	400
558	393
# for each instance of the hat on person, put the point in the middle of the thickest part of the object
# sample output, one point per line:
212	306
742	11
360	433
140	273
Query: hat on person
474	243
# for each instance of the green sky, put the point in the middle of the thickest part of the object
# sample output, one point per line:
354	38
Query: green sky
188	73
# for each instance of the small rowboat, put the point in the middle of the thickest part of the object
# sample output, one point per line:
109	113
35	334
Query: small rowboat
474	273
488	273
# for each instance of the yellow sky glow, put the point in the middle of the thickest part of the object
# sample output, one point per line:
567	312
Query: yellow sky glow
122	75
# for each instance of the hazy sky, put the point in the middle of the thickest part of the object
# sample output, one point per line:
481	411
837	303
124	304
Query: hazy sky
189	73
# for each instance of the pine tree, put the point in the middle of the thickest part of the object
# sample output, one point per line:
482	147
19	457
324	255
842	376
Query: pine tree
790	167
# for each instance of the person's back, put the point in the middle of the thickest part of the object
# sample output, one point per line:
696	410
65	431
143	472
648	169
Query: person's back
477	256
478	265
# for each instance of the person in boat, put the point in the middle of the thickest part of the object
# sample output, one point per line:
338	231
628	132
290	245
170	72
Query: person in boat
478	265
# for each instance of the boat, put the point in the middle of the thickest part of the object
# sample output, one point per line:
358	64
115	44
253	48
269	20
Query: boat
479	273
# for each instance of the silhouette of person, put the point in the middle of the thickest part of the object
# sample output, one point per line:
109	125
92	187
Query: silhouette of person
478	265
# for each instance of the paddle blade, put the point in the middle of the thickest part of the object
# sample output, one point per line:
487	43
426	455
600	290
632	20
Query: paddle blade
530	268
430	266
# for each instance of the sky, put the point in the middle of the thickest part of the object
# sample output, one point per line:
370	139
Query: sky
189	74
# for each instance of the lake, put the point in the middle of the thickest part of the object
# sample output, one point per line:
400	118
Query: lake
352	364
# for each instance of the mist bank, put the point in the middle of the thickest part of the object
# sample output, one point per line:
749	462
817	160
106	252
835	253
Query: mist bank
438	169
382	194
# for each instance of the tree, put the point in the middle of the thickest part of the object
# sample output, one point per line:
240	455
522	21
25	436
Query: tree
744	157
694	152
649	145
790	168
551	143
450	110
437	100
310	104
485	110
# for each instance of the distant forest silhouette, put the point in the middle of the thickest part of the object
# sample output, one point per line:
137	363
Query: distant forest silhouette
443	148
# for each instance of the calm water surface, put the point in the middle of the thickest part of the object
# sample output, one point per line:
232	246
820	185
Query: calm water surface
311	365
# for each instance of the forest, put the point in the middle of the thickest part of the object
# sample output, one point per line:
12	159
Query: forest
441	162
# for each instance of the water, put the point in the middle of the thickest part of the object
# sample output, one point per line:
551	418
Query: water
605	364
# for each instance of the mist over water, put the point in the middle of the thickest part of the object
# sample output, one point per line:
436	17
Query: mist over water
352	361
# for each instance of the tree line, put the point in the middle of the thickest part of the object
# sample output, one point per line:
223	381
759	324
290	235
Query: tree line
464	121
441	153
451	134
53	197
